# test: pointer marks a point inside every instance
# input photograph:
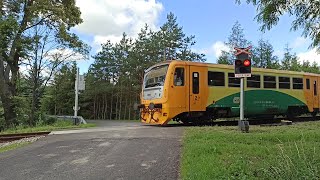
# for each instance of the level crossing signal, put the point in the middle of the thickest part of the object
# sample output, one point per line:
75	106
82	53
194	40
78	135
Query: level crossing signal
242	63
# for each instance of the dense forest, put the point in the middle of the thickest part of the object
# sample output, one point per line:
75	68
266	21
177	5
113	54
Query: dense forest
38	67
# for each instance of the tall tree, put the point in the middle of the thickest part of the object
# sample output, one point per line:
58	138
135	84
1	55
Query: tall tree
43	59
306	12
59	97
263	55
17	18
173	42
287	58
115	77
290	60
235	39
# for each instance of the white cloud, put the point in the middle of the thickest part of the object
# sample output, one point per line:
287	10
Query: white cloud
311	56
298	42
108	19
215	49
98	40
218	47
64	55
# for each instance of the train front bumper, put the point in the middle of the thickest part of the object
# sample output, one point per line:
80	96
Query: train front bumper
153	114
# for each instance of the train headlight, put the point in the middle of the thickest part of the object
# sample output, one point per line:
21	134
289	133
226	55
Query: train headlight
151	106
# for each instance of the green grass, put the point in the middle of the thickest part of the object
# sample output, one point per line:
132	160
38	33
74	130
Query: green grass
283	152
13	146
58	125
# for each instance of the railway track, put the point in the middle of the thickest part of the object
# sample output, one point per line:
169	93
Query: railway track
12	137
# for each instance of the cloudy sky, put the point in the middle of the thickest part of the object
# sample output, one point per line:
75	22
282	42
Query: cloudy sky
210	21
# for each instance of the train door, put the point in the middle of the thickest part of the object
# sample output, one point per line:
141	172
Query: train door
179	93
197	88
309	92
315	94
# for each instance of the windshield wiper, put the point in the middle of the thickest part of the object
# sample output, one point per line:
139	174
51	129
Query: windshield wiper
154	84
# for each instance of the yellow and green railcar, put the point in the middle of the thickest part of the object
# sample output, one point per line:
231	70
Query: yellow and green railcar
192	91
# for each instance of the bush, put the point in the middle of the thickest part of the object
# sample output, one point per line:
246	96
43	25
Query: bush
50	120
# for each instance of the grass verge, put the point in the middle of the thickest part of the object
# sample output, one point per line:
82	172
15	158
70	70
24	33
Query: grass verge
13	146
283	152
58	125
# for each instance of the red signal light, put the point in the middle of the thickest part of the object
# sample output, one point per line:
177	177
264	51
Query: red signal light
246	62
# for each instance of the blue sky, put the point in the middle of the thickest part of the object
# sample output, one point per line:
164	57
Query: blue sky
210	22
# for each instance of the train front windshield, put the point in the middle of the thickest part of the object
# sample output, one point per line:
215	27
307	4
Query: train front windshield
156	76
154	82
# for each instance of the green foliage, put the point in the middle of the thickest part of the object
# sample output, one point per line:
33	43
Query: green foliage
49	120
25	27
57	125
114	80
306	15
22	109
235	39
285	152
2	121
59	97
263	55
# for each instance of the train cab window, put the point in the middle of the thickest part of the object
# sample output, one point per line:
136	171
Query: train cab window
215	78
308	83
253	81
195	83
232	81
269	82
297	83
179	77
284	83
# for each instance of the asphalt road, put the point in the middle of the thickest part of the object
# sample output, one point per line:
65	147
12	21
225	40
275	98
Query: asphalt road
114	150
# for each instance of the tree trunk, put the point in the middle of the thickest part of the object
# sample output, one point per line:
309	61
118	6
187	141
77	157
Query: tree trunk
106	109
117	108
7	93
94	107
120	102
111	106
125	109
35	94
129	109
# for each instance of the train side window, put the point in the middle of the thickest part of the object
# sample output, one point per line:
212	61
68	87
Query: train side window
195	83
284	83
297	83
315	88
269	82
253	81
232	81
179	77
308	83
215	78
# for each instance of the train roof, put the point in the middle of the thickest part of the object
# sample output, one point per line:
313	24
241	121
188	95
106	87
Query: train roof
224	66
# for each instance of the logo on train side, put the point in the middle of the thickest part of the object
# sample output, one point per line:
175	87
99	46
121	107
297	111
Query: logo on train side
236	100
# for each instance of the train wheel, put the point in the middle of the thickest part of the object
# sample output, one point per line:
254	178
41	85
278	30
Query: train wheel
314	115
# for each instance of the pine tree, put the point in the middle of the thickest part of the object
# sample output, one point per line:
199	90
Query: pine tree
263	56
235	39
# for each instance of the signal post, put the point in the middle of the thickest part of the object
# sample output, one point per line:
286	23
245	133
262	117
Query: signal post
242	69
